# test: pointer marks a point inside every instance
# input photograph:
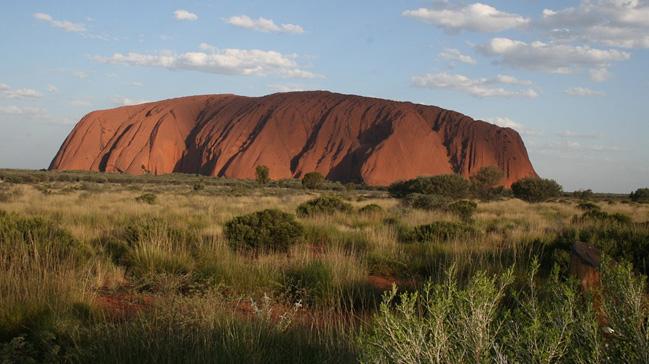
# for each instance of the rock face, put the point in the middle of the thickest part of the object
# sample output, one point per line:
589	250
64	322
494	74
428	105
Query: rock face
344	137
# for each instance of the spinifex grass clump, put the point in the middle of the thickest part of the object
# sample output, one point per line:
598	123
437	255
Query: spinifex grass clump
263	231
39	234
371	209
326	205
148	198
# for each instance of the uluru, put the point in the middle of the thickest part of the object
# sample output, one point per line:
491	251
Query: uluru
346	138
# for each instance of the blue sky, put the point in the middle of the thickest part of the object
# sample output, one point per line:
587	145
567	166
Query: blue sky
571	76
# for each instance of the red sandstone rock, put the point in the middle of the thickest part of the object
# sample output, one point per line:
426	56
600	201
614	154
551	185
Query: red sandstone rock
344	137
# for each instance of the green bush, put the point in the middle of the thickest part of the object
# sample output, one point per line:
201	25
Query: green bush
601	216
485	182
263	231
148	198
640	195
436	231
450	185
588	206
326	205
312	283
313	180
371	209
463	208
584	194
426	202
262	174
536	189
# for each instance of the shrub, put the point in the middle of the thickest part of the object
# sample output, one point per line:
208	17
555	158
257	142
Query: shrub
262	175
601	216
463	208
640	195
583	194
426	202
485	182
536	189
266	231
149	198
436	231
313	180
312	283
199	186
371	209
588	206
326	205
450	185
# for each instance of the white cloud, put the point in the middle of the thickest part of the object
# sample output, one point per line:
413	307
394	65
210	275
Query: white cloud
476	17
61	24
511	80
583	91
451	54
18	110
599	74
182	14
505	122
125	101
136	84
616	23
286	88
52	89
482	87
20	93
219	61
574	134
551	57
80	74
263	24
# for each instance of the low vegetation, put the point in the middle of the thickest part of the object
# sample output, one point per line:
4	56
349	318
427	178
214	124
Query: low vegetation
237	271
536	189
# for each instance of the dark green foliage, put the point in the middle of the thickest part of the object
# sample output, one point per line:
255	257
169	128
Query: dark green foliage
325	205
313	180
149	198
450	185
262	174
463	208
371	209
437	231
536	189
622	241
199	186
263	231
312	283
600	216
485	183
588	206
584	194
640	195
426	202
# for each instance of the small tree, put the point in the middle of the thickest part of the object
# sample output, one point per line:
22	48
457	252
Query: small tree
263	175
313	180
640	195
485	182
533	189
